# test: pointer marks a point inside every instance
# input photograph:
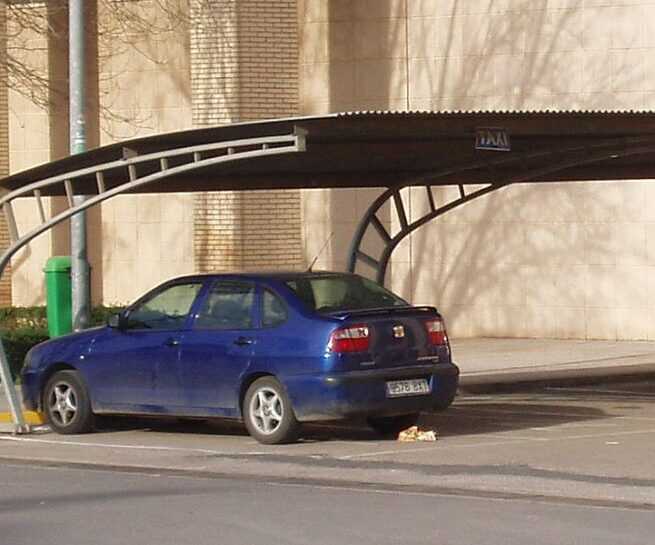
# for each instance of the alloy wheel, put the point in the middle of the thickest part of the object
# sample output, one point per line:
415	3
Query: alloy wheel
62	403
266	410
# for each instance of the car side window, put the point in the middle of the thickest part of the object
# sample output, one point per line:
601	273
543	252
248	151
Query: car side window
274	311
229	305
167	309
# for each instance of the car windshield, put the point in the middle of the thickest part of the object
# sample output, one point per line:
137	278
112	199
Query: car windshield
335	293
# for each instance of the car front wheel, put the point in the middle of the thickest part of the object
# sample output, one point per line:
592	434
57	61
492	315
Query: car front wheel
268	414
66	404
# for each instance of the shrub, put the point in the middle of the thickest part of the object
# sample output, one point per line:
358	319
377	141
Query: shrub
100	314
23	318
17	342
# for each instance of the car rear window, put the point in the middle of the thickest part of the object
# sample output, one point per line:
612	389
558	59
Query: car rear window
325	294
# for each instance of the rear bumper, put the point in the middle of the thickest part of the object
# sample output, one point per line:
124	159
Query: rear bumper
363	392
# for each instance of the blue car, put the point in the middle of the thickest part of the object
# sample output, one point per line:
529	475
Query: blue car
274	350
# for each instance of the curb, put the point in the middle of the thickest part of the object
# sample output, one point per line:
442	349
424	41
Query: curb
31	417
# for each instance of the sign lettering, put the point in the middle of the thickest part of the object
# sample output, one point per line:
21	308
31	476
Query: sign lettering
492	139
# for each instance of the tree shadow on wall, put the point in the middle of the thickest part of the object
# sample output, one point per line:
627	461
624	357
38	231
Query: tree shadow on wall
531	58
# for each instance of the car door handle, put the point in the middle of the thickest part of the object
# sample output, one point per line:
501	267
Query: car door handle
171	342
243	341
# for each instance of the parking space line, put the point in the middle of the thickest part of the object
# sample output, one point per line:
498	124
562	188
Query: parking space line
132	447
601	391
423	449
508	441
547	413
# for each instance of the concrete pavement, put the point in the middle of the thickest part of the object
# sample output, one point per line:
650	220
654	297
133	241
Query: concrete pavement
589	446
80	506
586	444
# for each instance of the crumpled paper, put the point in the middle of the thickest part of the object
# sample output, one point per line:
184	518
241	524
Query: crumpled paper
412	434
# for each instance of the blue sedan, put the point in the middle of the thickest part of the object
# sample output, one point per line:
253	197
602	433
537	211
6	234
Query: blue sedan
274	350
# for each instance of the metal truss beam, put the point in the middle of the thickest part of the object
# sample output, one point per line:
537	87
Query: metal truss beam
187	159
524	170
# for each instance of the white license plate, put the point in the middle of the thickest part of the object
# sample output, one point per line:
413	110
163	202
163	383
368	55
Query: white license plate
399	388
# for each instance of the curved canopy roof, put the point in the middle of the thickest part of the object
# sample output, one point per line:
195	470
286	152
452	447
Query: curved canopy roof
373	149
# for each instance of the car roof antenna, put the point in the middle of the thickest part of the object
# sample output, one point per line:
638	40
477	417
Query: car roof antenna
309	269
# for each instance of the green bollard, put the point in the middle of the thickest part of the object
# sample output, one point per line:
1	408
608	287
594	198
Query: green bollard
58	294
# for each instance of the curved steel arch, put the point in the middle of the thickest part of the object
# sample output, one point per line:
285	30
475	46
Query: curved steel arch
192	159
564	158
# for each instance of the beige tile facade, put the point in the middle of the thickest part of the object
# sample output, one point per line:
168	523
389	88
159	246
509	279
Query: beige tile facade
563	260
218	62
558	260
145	90
29	144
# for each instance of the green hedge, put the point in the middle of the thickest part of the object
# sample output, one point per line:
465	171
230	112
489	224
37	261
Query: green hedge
17	342
23	327
23	318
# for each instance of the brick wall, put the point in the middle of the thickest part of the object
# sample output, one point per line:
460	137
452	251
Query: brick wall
5	282
244	66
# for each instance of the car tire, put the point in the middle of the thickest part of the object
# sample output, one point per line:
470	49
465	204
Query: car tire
391	426
66	404
268	414
445	397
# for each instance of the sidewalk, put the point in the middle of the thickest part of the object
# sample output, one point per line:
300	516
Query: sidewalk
508	361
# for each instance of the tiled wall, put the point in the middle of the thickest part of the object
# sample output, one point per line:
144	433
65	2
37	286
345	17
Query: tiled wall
29	145
145	89
559	260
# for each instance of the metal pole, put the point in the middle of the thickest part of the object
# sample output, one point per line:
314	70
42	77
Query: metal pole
77	81
20	426
16	407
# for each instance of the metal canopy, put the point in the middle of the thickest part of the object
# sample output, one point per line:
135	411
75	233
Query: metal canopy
356	150
374	149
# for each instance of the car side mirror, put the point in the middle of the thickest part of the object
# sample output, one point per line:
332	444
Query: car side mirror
118	321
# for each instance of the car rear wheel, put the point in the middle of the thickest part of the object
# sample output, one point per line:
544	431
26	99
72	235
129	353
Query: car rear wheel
390	426
446	396
268	413
66	404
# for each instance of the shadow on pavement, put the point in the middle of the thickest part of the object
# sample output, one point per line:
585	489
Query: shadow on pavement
467	417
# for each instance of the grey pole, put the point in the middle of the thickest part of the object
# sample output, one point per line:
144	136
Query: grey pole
79	262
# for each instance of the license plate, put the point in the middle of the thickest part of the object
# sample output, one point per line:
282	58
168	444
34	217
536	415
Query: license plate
400	388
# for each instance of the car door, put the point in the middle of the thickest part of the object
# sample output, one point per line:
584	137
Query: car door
218	348
130	364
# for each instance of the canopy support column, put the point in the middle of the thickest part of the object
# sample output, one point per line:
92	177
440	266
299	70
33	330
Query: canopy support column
561	159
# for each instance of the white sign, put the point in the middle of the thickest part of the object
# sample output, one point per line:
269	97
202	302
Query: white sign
491	139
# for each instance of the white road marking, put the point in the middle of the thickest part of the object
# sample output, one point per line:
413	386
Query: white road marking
551	413
601	391
132	447
518	439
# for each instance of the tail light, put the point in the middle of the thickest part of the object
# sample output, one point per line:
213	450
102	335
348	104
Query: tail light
354	338
437	331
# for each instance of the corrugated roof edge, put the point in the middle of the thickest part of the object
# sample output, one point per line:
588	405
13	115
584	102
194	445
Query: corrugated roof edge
410	113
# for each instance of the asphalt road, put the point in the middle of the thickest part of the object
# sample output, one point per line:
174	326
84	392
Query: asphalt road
71	506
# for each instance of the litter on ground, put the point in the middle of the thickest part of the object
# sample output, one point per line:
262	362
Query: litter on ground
412	434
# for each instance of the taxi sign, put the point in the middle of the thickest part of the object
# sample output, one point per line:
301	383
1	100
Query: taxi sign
492	139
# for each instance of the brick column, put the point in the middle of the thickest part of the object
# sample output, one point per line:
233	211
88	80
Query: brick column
5	282
244	66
